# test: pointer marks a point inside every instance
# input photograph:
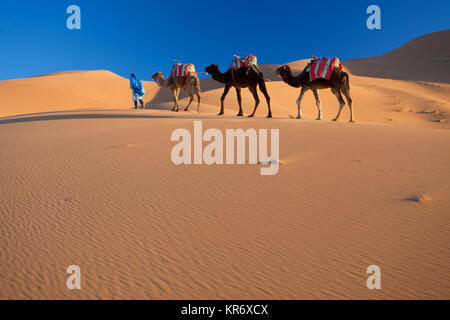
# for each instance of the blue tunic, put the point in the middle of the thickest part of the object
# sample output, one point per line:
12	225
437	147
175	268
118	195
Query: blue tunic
138	90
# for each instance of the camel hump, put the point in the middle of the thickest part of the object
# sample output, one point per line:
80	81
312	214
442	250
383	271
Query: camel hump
183	69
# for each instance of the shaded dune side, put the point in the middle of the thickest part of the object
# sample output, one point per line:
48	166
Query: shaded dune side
426	58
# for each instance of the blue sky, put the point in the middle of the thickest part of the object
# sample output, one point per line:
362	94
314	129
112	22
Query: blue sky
145	36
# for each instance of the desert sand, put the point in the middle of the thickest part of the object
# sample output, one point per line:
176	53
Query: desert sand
88	181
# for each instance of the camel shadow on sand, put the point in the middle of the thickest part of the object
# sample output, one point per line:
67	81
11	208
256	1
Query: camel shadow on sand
48	117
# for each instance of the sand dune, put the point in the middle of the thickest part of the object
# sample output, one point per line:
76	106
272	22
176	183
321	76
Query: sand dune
67	91
108	199
399	103
88	181
426	58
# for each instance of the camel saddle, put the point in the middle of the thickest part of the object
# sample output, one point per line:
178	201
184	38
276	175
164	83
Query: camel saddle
182	70
239	62
323	68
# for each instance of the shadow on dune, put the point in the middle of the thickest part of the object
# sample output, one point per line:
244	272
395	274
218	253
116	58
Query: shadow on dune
165	95
82	116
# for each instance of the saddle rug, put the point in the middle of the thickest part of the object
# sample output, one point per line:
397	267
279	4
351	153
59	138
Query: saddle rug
181	70
243	62
323	68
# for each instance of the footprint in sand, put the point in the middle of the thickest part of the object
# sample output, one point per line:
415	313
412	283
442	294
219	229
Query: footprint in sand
421	198
122	146
429	111
402	109
267	162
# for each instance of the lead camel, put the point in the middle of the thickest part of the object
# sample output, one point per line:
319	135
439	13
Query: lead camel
338	82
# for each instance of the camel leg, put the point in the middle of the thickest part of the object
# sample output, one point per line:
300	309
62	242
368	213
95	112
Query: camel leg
222	98
318	104
175	97
341	103
299	101
255	96
238	93
191	98
262	87
344	88
350	104
178	95
197	92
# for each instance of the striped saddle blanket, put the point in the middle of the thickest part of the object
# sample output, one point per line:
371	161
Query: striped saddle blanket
243	62
181	70
323	68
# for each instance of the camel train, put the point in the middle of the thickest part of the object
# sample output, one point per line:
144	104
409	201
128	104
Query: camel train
320	73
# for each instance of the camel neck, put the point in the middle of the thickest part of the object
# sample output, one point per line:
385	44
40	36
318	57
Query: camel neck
291	80
218	76
163	82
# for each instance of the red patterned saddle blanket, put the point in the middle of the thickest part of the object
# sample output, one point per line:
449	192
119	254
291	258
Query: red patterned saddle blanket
323	68
239	62
181	69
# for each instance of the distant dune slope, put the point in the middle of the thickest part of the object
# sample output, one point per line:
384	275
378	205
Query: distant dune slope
426	58
67	90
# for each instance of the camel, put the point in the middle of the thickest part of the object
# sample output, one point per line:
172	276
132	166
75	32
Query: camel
339	83
240	78
187	83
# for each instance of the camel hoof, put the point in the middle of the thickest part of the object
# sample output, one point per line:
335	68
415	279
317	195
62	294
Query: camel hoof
335	119
298	117
251	116
240	115
319	119
185	109
269	116
352	121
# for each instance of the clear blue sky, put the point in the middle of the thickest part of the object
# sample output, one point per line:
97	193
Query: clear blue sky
145	36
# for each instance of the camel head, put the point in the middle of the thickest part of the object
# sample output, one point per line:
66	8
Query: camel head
282	71
157	75
214	68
